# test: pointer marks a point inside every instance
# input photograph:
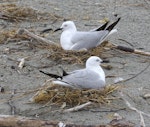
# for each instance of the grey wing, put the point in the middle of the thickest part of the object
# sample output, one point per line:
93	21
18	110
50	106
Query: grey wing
84	79
87	40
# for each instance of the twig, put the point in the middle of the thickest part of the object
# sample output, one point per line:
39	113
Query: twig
76	108
36	37
142	123
10	103
109	110
134	75
126	42
19	96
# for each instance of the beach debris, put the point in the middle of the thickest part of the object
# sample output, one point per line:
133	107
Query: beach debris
41	40
118	79
61	124
117	116
14	121
21	64
146	96
2	90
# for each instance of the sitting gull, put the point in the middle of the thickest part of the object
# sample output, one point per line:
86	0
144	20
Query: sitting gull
91	77
71	39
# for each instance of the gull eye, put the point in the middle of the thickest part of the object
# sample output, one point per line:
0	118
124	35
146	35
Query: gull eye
97	60
65	25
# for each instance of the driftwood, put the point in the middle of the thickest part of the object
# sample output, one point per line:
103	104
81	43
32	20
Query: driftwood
76	108
36	37
19	121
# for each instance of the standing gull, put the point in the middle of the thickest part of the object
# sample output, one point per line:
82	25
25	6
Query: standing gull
91	77
71	39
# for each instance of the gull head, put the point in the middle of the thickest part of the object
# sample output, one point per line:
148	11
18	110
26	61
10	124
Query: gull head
68	25
93	61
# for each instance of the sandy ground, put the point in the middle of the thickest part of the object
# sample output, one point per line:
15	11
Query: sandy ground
134	27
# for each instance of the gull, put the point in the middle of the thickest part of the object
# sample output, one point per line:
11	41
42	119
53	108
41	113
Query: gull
91	77
71	39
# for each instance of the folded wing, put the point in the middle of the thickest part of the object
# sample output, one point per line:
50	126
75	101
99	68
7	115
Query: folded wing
87	40
84	79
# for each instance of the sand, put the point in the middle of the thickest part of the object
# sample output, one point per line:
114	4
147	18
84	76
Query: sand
134	28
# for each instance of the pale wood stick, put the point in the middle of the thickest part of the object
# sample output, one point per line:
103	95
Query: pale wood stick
36	37
76	108
141	52
127	49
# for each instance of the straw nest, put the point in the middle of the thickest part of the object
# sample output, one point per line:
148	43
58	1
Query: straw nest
56	53
58	95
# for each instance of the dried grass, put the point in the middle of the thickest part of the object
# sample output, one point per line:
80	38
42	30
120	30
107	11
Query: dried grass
56	53
16	13
58	95
6	35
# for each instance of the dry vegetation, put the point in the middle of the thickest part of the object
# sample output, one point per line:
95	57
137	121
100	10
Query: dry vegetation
58	95
16	13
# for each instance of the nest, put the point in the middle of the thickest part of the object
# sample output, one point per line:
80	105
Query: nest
56	53
16	13
58	95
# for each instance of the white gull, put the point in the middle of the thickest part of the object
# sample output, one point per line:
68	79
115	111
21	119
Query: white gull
91	77
71	39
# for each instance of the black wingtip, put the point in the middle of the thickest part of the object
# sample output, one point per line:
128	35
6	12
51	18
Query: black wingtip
51	75
109	28
64	72
102	27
